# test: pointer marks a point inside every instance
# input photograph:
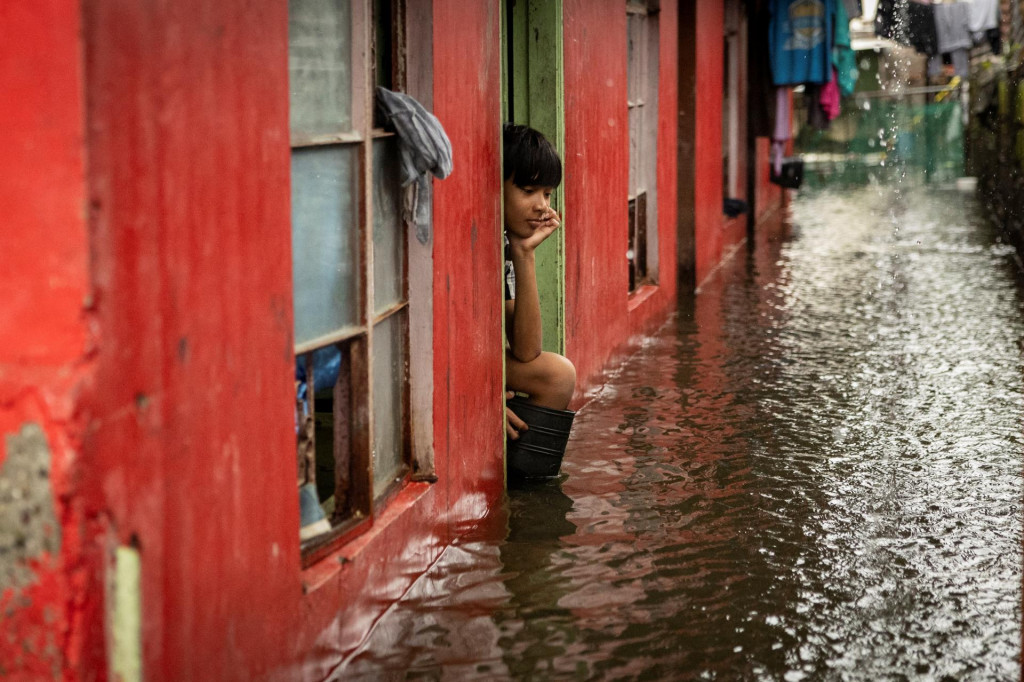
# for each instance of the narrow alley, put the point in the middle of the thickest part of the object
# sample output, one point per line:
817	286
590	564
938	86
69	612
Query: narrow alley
271	270
811	472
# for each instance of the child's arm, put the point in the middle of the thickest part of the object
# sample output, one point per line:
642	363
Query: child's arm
522	314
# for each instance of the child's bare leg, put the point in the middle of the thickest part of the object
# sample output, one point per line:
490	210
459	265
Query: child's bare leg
549	379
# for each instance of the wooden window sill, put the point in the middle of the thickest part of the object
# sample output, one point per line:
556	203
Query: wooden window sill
324	571
637	298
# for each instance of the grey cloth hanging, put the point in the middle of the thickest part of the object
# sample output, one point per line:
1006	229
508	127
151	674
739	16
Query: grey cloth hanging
952	27
423	146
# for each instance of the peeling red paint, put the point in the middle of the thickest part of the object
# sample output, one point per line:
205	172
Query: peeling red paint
44	334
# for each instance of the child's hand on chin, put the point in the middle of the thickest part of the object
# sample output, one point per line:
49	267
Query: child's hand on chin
543	228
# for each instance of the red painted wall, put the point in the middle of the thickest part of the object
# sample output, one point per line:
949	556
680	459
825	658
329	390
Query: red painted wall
600	316
770	201
149	330
190	435
191	438
44	334
716	235
468	260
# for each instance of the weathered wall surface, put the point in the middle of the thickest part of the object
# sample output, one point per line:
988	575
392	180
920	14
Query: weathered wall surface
468	258
715	234
146	354
190	422
44	343
600	316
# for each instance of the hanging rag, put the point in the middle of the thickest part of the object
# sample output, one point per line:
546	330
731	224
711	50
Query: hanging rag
423	146
961	63
994	36
953	39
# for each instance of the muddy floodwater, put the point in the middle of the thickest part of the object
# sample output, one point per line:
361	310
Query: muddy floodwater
812	472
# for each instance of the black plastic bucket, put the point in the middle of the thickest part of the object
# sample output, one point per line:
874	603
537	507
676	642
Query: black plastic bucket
538	451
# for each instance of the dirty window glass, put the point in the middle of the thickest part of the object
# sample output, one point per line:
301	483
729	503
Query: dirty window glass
319	66
389	388
634	93
325	258
351	272
388	230
642	105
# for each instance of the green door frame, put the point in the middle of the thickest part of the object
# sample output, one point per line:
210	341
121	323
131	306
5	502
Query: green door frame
533	95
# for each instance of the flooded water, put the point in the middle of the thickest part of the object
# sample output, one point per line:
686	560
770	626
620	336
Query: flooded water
813	472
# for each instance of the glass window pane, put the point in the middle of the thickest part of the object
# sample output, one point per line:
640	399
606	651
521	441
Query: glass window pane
320	65
389	387
633	56
635	141
325	234
388	231
383	44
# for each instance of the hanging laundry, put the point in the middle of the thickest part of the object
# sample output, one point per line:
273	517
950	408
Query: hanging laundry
961	63
816	117
960	60
983	16
994	36
761	97
800	41
953	38
783	128
952	27
921	27
423	146
844	59
828	98
908	23
889	20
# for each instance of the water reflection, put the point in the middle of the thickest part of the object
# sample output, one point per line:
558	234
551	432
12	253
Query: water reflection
813	472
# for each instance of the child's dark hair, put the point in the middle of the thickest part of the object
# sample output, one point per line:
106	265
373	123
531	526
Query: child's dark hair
530	159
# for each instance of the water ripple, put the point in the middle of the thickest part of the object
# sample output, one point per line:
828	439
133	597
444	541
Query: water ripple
813	472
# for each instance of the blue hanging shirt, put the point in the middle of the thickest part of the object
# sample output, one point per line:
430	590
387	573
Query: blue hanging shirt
800	41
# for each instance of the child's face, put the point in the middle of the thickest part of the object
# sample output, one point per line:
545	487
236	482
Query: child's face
526	208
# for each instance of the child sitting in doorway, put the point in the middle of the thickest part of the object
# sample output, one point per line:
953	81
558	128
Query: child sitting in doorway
531	172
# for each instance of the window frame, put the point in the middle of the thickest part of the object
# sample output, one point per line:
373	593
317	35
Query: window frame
642	77
732	45
353	395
